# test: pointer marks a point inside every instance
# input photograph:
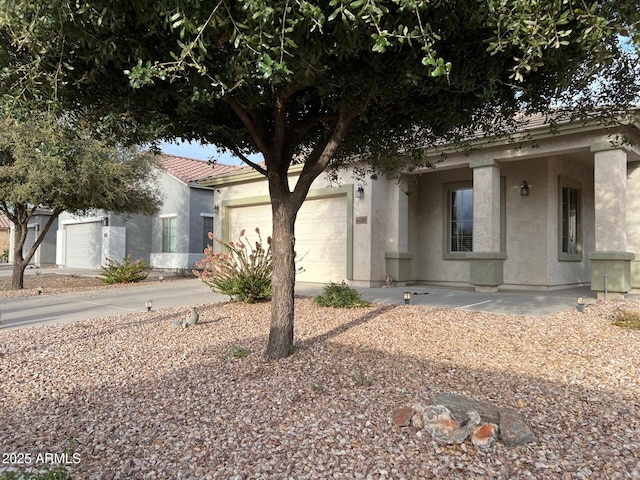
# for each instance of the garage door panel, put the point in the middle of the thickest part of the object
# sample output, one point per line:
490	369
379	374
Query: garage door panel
84	245
321	235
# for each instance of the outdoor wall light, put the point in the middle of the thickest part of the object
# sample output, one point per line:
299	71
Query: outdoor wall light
216	209
407	297
580	305
524	189
149	304
360	192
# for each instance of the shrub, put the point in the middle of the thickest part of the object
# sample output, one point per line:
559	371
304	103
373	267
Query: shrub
626	318
340	295
125	271
242	271
361	379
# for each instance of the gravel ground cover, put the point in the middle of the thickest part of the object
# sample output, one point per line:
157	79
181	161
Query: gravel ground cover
147	400
51	283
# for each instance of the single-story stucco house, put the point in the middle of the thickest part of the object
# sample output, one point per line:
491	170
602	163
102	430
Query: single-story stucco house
173	239
556	210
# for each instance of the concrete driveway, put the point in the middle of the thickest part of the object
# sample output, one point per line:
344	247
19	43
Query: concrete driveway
38	310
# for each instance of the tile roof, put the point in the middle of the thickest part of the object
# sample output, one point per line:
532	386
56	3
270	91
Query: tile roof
189	170
5	222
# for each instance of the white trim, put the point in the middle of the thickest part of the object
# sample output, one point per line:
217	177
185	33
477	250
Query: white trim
207	215
78	221
168	215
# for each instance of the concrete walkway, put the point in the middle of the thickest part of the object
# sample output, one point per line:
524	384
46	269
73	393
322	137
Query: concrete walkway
29	311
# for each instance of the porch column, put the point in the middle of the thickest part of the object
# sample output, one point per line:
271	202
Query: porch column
397	255
486	260
611	262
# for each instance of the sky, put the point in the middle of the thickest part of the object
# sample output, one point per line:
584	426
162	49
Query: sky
200	152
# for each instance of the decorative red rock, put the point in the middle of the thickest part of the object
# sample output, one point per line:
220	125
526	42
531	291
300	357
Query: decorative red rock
402	417
484	437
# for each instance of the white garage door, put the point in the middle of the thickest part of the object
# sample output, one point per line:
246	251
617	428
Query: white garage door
321	235
84	245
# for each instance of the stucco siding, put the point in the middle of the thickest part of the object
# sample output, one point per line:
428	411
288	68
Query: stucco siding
633	220
431	265
201	202
138	237
176	202
577	169
527	222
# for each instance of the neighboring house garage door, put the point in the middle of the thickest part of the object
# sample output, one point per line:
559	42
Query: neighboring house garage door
84	245
321	235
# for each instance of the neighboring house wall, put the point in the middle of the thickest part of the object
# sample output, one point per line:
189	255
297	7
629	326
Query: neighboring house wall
88	241
4	240
46	253
188	205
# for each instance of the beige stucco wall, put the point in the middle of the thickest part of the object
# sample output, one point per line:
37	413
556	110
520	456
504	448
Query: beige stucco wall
527	221
576	168
426	214
368	245
531	223
633	220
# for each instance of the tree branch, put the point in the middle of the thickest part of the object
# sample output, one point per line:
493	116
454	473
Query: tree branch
281	121
253	165
252	124
319	158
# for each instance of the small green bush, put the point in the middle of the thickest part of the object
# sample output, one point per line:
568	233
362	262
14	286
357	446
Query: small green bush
242	271
626	318
125	271
239	352
361	379
340	295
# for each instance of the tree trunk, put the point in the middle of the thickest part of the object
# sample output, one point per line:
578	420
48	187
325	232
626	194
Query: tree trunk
21	226
17	276
19	265
283	279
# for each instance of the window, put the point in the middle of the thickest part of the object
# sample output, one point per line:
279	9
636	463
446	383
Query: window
207	226
570	241
460	219
169	235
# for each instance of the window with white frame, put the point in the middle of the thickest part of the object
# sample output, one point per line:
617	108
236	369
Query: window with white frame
570	241
460	219
169	235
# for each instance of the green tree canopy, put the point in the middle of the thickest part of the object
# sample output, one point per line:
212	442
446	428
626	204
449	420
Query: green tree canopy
316	82
46	164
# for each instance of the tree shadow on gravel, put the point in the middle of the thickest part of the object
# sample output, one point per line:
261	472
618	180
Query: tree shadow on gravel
222	416
367	317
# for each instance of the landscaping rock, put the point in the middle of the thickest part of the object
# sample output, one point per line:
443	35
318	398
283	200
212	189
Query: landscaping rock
402	417
484	437
458	403
514	430
451	418
444	427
